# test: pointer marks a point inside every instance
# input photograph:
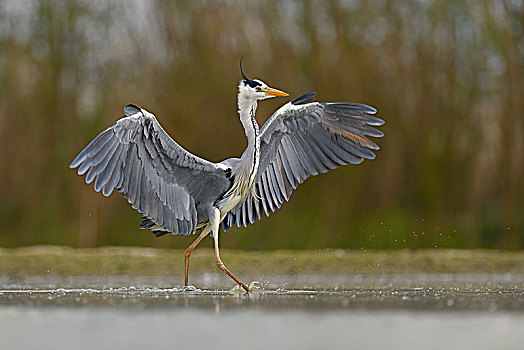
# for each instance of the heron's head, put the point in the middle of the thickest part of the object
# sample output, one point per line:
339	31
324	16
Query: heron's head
257	89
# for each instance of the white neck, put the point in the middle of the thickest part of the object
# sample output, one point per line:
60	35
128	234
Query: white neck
246	109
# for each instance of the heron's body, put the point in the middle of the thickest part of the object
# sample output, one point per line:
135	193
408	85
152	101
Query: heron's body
180	193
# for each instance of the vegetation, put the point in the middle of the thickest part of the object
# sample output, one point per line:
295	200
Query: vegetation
447	76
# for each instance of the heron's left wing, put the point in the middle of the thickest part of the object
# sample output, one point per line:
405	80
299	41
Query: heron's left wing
301	139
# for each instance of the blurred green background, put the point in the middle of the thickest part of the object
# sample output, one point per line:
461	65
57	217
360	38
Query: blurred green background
447	76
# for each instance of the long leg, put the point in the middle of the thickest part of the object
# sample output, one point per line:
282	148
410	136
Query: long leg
189	249
215	221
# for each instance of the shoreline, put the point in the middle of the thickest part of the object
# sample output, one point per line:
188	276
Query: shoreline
132	261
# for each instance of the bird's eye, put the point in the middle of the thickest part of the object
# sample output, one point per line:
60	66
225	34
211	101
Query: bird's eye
258	89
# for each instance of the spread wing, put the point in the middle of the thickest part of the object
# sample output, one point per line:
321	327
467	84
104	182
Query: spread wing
301	139
158	177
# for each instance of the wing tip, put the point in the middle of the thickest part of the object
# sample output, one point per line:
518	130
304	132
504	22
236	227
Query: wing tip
79	159
131	109
376	122
304	98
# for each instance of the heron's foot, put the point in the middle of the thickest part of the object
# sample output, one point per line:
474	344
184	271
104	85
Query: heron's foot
237	289
190	289
253	287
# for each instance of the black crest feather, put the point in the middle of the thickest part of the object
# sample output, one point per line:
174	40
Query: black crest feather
249	82
241	71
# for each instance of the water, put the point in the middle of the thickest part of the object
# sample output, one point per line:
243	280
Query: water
355	311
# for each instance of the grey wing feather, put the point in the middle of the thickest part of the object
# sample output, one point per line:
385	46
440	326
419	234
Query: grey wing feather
302	139
158	177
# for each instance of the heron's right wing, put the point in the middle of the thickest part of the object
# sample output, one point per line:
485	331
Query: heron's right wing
301	139
158	177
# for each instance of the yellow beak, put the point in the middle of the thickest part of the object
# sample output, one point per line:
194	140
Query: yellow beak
275	92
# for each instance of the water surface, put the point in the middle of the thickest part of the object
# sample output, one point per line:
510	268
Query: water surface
308	312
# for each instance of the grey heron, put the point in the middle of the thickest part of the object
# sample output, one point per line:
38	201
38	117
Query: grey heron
180	193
